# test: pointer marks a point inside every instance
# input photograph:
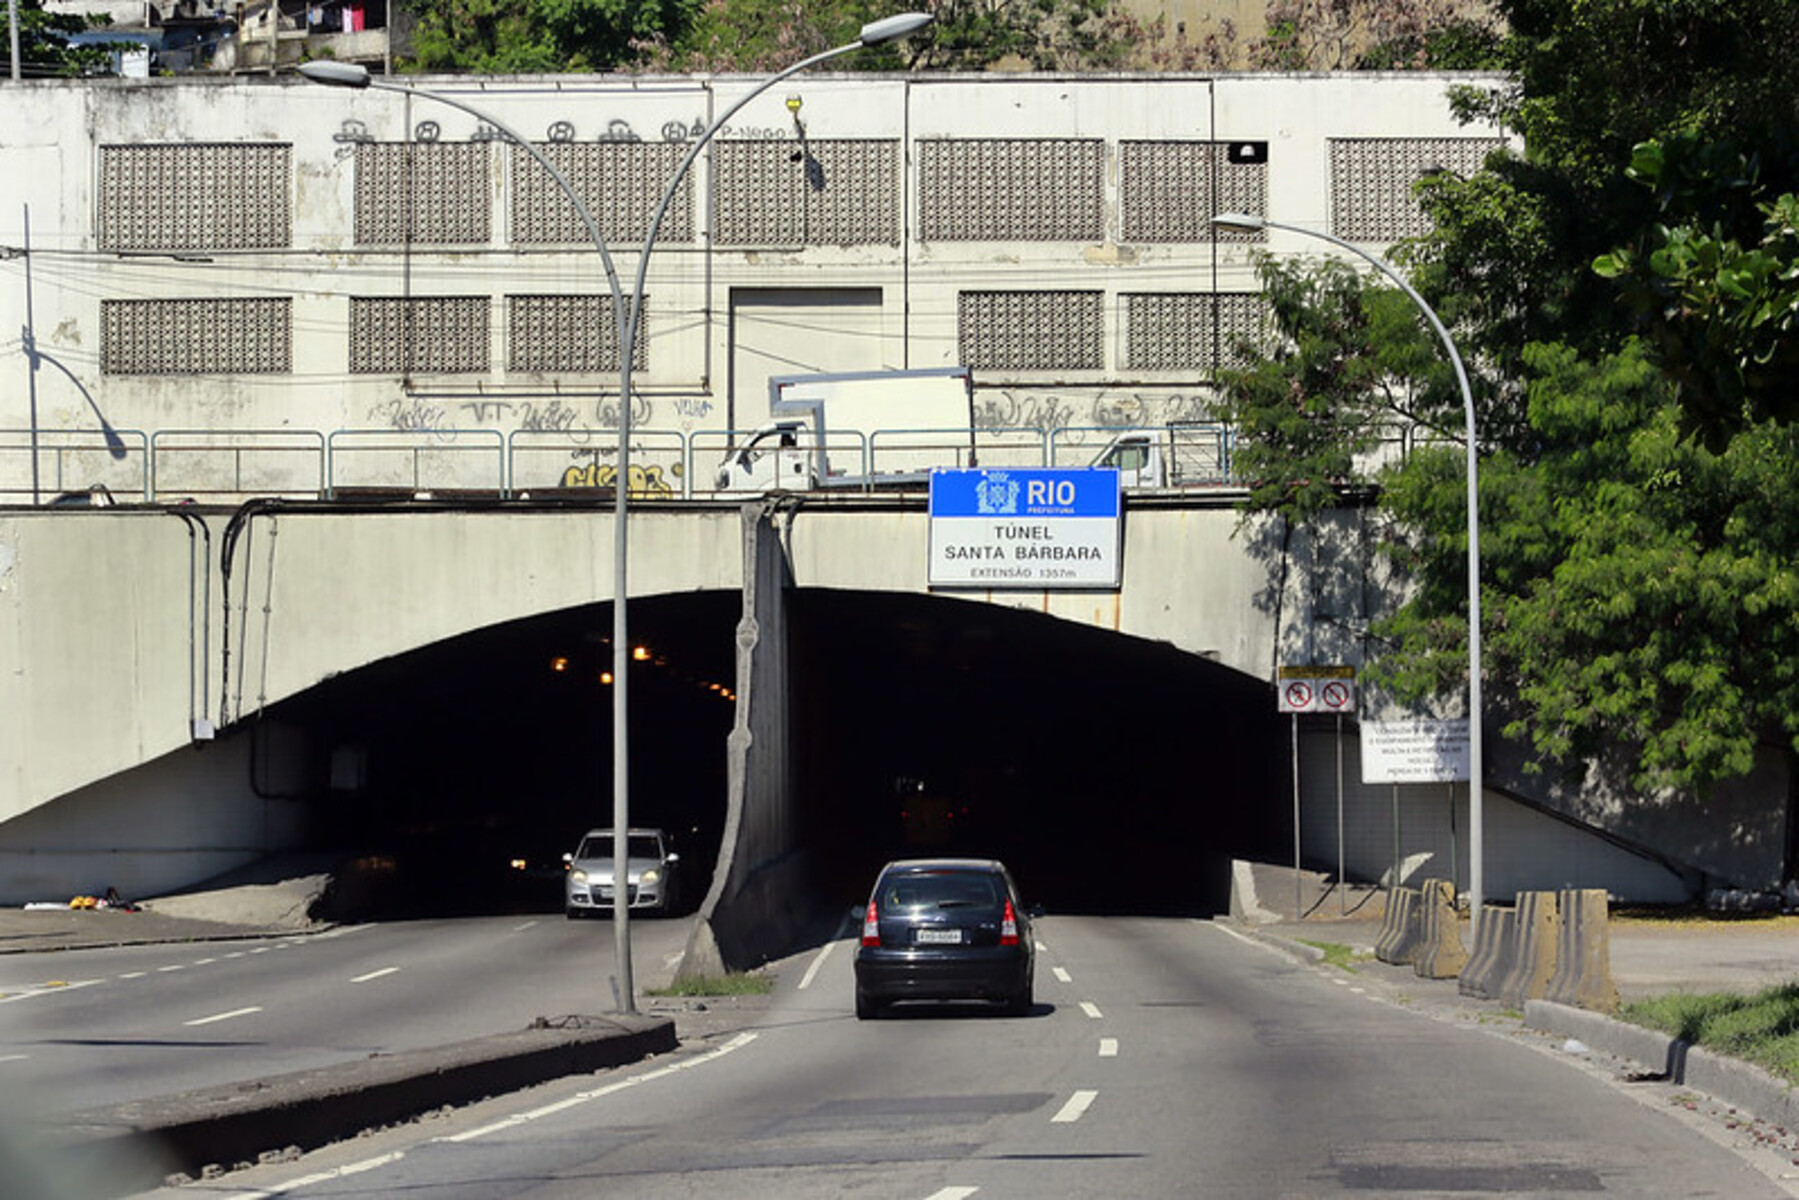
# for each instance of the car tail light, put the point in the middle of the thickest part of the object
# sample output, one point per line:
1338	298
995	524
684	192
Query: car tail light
871	927
1008	927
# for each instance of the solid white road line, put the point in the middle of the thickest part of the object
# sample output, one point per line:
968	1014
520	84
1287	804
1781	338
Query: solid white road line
1108	1047
818	960
374	974
1062	974
1091	1009
1077	1104
736	1043
294	1185
225	1016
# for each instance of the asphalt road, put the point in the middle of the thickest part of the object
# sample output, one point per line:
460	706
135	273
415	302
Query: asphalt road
84	1028
1165	1058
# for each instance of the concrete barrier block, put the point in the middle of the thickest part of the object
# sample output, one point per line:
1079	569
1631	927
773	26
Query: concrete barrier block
1583	969
1495	949
1529	974
1440	952
1399	935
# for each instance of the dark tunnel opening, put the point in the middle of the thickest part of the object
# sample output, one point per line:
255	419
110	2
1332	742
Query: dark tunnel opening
1112	774
461	773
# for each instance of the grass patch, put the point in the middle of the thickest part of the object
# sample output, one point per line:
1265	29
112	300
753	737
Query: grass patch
750	983
1762	1028
1336	954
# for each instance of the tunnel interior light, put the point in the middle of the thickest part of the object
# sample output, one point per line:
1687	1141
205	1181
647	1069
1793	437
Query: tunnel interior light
606	678
559	664
640	653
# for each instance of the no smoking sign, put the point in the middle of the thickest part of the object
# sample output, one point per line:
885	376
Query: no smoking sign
1313	689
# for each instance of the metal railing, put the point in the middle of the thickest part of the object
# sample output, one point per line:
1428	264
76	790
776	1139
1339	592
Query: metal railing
229	466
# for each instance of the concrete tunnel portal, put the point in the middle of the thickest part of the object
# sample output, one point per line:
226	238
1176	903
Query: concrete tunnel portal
1114	775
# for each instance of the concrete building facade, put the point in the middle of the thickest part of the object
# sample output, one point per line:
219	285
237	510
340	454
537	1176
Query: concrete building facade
264	286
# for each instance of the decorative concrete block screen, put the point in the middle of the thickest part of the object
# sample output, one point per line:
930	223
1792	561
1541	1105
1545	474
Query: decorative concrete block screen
567	334
1190	331
423	193
815	193
1031	331
620	182
248	336
1171	190
1011	190
421	335
1372	178
196	196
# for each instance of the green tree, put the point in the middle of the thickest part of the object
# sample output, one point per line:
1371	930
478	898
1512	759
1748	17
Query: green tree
44	48
1627	288
530	36
1640	527
1347	365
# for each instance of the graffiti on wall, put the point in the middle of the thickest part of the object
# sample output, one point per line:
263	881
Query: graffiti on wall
1045	410
647	482
562	131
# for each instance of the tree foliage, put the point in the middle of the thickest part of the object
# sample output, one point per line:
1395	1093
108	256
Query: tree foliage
526	36
1337	35
495	36
44	48
1628	288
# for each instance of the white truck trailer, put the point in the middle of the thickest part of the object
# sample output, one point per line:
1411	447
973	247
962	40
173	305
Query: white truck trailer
856	429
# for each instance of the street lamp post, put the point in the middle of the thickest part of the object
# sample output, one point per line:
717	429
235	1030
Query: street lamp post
628	317
1476	881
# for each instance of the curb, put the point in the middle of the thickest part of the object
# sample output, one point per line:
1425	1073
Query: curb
1732	1081
137	1145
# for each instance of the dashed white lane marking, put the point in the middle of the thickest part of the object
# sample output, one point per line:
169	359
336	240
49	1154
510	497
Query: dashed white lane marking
818	960
1077	1104
1062	974
1108	1047
170	967
134	975
1091	1009
952	1193
374	975
225	1016
580	1098
14	1057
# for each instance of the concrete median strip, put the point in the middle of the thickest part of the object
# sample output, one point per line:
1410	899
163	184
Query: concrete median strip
136	1145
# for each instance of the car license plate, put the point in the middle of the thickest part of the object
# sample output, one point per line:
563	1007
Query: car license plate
940	937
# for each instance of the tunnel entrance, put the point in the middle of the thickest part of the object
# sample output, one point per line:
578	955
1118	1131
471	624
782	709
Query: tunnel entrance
458	775
1113	775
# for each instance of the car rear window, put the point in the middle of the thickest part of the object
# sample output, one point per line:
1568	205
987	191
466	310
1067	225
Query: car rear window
942	889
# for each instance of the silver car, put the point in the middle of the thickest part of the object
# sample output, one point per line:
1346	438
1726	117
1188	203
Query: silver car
651	881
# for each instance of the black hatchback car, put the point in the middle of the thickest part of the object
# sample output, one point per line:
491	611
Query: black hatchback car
944	929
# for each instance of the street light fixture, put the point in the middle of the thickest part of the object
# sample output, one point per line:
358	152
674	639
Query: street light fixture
1476	882
628	316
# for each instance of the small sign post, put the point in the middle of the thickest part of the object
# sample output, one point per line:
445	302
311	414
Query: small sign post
1307	688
